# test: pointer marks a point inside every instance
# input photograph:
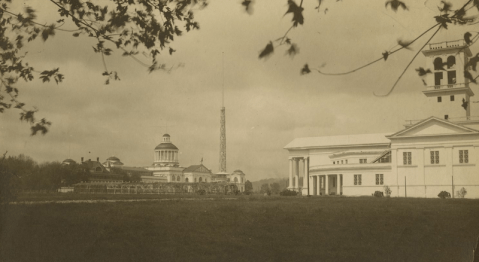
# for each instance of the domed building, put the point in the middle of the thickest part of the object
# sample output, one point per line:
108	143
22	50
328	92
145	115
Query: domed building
68	162
112	161
237	177
166	167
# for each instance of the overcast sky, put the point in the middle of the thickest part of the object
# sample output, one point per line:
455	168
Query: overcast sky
268	103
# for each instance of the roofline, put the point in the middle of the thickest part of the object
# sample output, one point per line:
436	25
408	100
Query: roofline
336	146
393	136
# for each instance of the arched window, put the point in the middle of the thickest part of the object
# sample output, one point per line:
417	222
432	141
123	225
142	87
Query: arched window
451	62
186	180
206	180
199	180
178	178
173	178
438	64
236	180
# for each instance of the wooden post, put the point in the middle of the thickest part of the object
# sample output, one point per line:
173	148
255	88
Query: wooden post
452	187
405	192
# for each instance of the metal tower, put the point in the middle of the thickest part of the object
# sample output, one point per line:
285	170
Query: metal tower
223	141
223	126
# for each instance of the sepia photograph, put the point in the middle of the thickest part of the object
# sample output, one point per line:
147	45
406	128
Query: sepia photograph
239	130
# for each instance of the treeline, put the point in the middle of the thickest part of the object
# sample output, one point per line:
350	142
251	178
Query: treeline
25	174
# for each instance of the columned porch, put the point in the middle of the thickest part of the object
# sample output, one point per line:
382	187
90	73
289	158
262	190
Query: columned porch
330	184
294	174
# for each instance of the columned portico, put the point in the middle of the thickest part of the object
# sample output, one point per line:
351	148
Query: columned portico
294	170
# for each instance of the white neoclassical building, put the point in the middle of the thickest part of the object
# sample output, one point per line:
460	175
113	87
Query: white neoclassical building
440	153
166	168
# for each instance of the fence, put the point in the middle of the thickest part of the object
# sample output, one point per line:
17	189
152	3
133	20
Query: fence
155	188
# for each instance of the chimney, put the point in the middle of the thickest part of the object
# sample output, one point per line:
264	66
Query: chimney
446	117
82	159
97	159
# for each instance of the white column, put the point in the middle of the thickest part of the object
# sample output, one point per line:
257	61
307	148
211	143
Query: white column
296	173
290	187
305	176
326	185
319	185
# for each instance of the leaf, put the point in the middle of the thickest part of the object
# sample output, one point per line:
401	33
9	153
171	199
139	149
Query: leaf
267	51
404	44
470	77
292	50
443	20
47	32
464	104
467	38
76	34
172	51
395	4
446	7
385	55
305	70
422	72
297	12
247	4
473	62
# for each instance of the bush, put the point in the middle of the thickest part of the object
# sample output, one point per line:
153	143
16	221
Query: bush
444	194
248	193
236	192
461	193
378	194
287	192
201	192
387	191
332	193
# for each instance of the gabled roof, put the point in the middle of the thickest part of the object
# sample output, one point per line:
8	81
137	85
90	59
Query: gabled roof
331	141
196	168
433	126
93	165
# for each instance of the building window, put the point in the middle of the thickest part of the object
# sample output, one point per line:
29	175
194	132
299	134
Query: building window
178	178
379	179
464	156
341	162
406	158
434	157
186	180
346	161
363	161
357	180
439	99
334	162
452	98
334	182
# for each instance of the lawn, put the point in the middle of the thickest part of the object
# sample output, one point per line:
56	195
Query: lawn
250	228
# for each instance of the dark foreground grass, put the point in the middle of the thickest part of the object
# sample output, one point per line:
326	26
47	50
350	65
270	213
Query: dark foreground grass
247	229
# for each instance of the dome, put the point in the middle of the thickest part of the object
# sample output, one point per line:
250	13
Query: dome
166	146
166	135
68	161
238	171
113	158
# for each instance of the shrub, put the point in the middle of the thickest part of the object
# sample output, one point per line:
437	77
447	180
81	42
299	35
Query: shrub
461	193
201	192
378	194
444	194
237	192
387	191
287	192
248	193
332	193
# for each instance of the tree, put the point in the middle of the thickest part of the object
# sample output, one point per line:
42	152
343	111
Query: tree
8	184
248	186
275	188
265	189
129	26
462	16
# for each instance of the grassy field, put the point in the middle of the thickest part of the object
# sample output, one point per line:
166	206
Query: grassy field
250	228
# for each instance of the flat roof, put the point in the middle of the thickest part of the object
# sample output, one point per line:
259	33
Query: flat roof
344	140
